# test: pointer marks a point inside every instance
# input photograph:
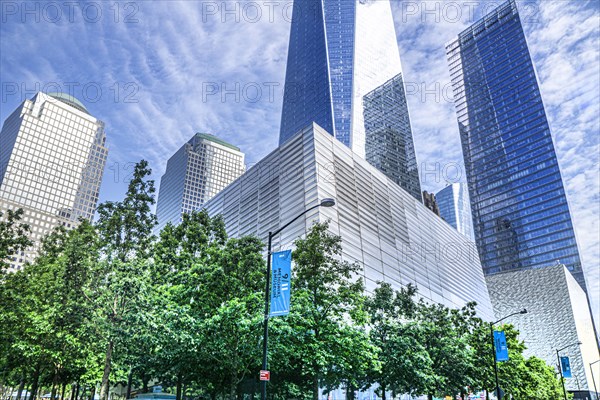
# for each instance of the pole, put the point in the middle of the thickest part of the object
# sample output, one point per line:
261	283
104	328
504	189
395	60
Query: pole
263	384
594	381
498	394
562	380
324	203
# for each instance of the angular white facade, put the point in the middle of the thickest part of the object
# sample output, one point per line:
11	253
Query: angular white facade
558	316
385	229
52	158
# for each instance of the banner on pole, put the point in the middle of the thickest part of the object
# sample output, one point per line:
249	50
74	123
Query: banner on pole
501	346
565	364
282	281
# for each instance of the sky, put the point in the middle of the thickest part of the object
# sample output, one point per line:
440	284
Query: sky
156	72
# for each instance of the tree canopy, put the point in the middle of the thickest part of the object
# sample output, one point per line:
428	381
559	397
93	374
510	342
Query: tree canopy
110	304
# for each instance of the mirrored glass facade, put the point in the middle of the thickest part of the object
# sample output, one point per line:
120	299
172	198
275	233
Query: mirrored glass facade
196	172
455	208
341	51
520	210
52	158
389	145
387	231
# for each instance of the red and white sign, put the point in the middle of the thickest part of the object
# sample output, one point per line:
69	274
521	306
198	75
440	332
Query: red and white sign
265	375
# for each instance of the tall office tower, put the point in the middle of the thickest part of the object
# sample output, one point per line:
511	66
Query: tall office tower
52	157
455	209
344	73
200	169
389	146
520	210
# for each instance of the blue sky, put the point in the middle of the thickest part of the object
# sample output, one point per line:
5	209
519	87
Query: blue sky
157	71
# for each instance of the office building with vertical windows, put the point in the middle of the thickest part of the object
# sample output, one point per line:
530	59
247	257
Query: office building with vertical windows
344	73
455	208
52	158
520	211
200	169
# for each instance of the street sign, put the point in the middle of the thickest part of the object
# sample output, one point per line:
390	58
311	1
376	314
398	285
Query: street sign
282	281
501	346
265	375
566	367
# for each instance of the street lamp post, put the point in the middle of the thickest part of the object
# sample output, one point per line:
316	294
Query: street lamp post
523	311
562	379
593	380
323	203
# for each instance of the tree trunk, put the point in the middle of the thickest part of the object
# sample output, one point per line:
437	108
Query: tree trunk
429	397
77	391
20	389
92	392
54	384
129	380
233	386
178	390
383	394
315	387
62	391
105	377
34	383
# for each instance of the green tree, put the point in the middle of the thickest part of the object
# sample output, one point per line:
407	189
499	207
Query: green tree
75	261
212	292
48	308
445	337
13	236
124	280
519	377
405	363
321	343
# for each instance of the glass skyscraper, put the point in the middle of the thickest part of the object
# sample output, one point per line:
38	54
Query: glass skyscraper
455	209
200	169
52	158
520	210
344	73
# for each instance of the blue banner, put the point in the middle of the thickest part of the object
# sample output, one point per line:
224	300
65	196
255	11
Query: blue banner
501	346
566	367
282	281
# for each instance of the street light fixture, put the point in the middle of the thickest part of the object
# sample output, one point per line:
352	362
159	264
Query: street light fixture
323	203
562	379
593	380
523	311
